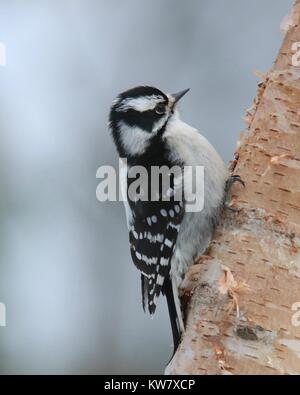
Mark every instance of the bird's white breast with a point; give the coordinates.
(188, 145)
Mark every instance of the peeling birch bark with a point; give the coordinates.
(240, 314)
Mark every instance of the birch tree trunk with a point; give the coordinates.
(243, 295)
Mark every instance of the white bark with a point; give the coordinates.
(242, 315)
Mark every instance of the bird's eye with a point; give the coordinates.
(160, 109)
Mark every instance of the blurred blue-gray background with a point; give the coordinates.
(71, 292)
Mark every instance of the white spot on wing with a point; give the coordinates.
(168, 243)
(163, 213)
(164, 261)
(138, 255)
(136, 236)
(174, 226)
(149, 260)
(170, 192)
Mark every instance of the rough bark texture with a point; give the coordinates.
(239, 317)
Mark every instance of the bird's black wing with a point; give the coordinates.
(153, 233)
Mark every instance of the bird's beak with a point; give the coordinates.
(179, 95)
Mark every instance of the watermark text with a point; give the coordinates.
(156, 183)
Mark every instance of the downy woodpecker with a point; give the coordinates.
(165, 238)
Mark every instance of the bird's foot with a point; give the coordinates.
(190, 280)
(230, 208)
(231, 180)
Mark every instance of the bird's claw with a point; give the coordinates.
(232, 179)
(232, 209)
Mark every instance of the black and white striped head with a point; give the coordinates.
(139, 114)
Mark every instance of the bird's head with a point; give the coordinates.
(139, 114)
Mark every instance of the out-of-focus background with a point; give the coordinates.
(71, 292)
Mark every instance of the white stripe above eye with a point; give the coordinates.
(144, 103)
